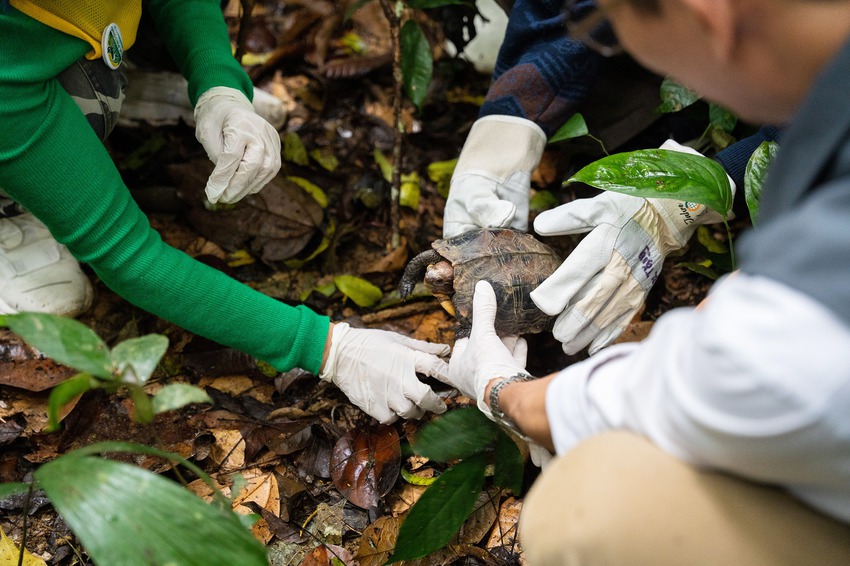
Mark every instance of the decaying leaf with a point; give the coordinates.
(24, 367)
(328, 555)
(365, 464)
(378, 541)
(275, 223)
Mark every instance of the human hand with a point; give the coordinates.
(602, 284)
(492, 180)
(377, 369)
(484, 355)
(244, 147)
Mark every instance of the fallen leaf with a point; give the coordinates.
(365, 465)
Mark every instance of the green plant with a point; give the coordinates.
(575, 127)
(756, 175)
(469, 436)
(129, 365)
(123, 514)
(661, 173)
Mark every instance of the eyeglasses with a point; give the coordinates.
(588, 24)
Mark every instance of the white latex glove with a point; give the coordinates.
(603, 283)
(244, 147)
(491, 182)
(377, 369)
(484, 355)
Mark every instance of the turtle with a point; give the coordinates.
(514, 263)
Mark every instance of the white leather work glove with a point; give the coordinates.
(377, 369)
(491, 182)
(244, 147)
(484, 355)
(602, 284)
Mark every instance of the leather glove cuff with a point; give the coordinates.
(498, 146)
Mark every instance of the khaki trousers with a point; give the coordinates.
(617, 499)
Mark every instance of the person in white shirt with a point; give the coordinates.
(724, 437)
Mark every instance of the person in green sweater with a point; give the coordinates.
(72, 204)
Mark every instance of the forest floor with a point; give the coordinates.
(280, 430)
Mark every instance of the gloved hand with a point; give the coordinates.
(484, 355)
(491, 182)
(377, 369)
(603, 283)
(244, 147)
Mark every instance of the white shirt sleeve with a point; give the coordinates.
(755, 382)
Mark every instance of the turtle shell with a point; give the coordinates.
(514, 263)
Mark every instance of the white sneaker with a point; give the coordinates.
(37, 273)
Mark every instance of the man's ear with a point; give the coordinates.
(718, 17)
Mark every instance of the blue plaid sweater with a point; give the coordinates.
(542, 75)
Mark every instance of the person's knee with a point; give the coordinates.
(576, 509)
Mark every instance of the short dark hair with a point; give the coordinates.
(646, 6)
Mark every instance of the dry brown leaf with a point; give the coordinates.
(232, 384)
(505, 531)
(228, 450)
(378, 541)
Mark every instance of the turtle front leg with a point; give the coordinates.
(414, 272)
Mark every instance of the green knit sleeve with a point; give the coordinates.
(52, 163)
(196, 36)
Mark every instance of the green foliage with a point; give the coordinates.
(756, 174)
(417, 65)
(125, 515)
(469, 436)
(441, 510)
(129, 365)
(294, 150)
(440, 172)
(660, 173)
(675, 97)
(573, 128)
(363, 293)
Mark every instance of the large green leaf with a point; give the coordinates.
(125, 515)
(441, 510)
(508, 464)
(137, 358)
(416, 62)
(575, 127)
(661, 173)
(65, 341)
(675, 97)
(756, 174)
(456, 434)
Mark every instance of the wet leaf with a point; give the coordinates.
(440, 172)
(661, 173)
(325, 158)
(675, 97)
(456, 434)
(65, 340)
(756, 175)
(575, 127)
(441, 510)
(294, 150)
(416, 62)
(137, 358)
(384, 165)
(363, 293)
(365, 465)
(177, 395)
(125, 515)
(411, 186)
(312, 189)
